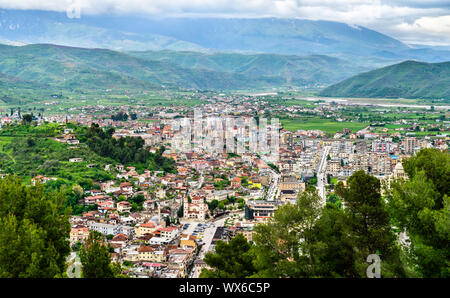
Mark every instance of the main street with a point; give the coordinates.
(208, 235)
(271, 193)
(321, 176)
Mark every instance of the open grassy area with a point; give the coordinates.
(327, 126)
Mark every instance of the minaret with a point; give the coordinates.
(159, 214)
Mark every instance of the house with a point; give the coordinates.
(254, 183)
(106, 229)
(41, 179)
(127, 230)
(79, 233)
(76, 159)
(179, 260)
(188, 241)
(169, 232)
(131, 254)
(151, 254)
(106, 206)
(259, 210)
(124, 206)
(120, 239)
(236, 182)
(92, 200)
(149, 204)
(93, 192)
(126, 187)
(146, 228)
(219, 195)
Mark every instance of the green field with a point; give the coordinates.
(324, 125)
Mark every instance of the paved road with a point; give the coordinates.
(321, 176)
(271, 193)
(76, 264)
(208, 235)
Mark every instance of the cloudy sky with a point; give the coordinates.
(411, 21)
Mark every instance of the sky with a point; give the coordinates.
(411, 21)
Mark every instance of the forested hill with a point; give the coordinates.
(409, 79)
(28, 150)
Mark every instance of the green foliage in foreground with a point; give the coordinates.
(34, 231)
(306, 240)
(96, 260)
(230, 260)
(421, 207)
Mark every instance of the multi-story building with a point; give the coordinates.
(79, 233)
(106, 229)
(381, 147)
(259, 210)
(410, 144)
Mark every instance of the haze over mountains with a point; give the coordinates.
(267, 35)
(111, 52)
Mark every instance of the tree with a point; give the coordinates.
(78, 191)
(95, 257)
(369, 223)
(230, 260)
(30, 142)
(27, 118)
(180, 211)
(221, 205)
(34, 231)
(213, 205)
(167, 220)
(421, 207)
(332, 248)
(283, 246)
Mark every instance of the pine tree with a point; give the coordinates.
(34, 231)
(95, 258)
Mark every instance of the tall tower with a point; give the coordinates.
(185, 207)
(159, 214)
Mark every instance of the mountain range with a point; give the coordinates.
(49, 51)
(261, 35)
(409, 79)
(79, 68)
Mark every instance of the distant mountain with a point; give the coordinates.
(73, 68)
(10, 82)
(312, 69)
(35, 27)
(265, 35)
(270, 35)
(409, 79)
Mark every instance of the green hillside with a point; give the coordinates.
(61, 68)
(84, 69)
(28, 150)
(409, 79)
(313, 69)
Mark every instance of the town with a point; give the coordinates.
(162, 223)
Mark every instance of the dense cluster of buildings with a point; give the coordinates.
(208, 185)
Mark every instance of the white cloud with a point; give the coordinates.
(429, 30)
(396, 18)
